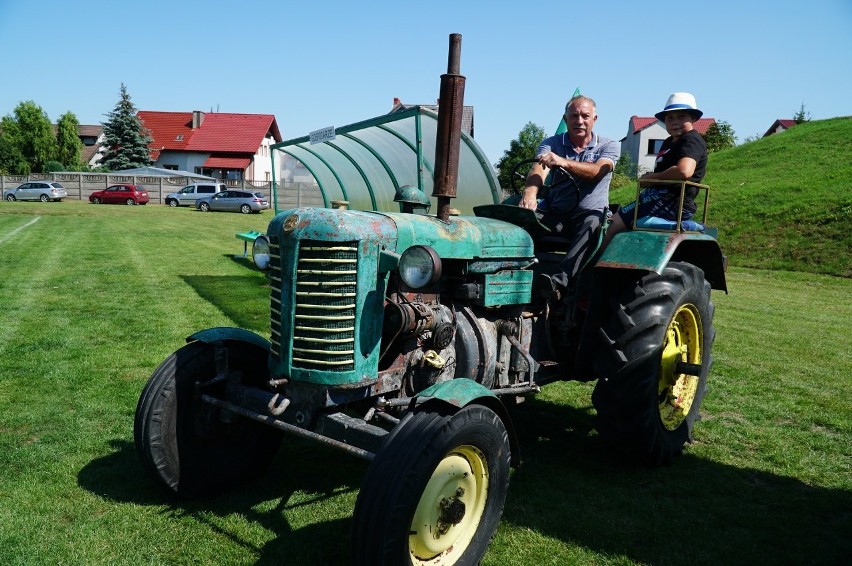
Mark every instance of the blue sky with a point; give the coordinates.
(332, 63)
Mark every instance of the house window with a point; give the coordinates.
(170, 167)
(654, 146)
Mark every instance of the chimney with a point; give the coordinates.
(396, 102)
(197, 119)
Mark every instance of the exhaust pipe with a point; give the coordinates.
(448, 142)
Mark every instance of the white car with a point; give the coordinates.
(36, 190)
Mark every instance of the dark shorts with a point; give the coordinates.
(654, 202)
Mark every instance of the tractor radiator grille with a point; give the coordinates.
(324, 310)
(275, 296)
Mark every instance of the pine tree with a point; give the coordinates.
(125, 139)
(68, 140)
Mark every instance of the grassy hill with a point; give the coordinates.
(785, 202)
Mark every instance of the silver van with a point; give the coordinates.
(190, 193)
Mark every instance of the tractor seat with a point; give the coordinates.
(657, 223)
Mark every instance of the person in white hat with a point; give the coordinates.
(682, 157)
(581, 164)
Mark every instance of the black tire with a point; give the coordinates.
(245, 209)
(44, 198)
(130, 202)
(10, 198)
(96, 200)
(204, 207)
(423, 464)
(647, 400)
(191, 447)
(173, 203)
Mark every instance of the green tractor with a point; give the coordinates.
(403, 338)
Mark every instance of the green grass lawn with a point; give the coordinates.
(93, 298)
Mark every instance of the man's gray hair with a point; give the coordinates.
(580, 98)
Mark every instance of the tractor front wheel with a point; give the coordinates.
(435, 492)
(192, 447)
(653, 364)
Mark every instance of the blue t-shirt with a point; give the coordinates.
(568, 193)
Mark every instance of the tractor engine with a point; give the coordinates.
(390, 303)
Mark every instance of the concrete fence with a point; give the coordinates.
(81, 185)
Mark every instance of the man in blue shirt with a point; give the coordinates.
(581, 164)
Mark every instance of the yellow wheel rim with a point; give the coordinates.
(450, 509)
(676, 391)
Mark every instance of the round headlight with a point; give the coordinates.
(260, 252)
(419, 266)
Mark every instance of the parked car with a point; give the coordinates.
(120, 194)
(36, 190)
(233, 201)
(190, 193)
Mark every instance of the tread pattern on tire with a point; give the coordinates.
(399, 473)
(170, 448)
(629, 357)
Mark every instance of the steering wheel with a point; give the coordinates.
(515, 175)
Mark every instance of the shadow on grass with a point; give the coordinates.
(303, 477)
(569, 487)
(242, 298)
(696, 511)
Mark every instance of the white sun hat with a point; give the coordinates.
(680, 101)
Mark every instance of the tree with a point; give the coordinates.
(525, 147)
(625, 172)
(801, 115)
(125, 139)
(720, 135)
(30, 131)
(68, 141)
(12, 161)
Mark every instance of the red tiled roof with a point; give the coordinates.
(227, 162)
(642, 122)
(783, 123)
(168, 130)
(235, 133)
(218, 132)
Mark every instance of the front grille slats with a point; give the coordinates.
(323, 317)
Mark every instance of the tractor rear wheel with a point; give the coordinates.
(653, 363)
(192, 447)
(435, 492)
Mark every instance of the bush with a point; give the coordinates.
(53, 167)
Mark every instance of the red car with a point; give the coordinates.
(120, 194)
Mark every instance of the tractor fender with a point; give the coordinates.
(644, 250)
(221, 333)
(459, 393)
